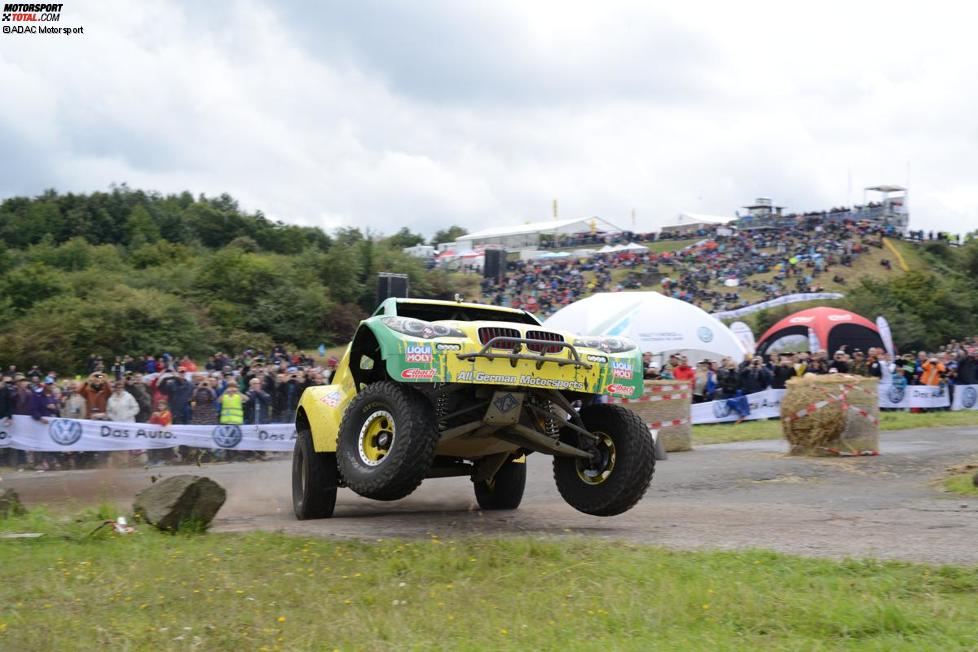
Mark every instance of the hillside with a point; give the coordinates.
(128, 271)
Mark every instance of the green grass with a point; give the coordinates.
(961, 484)
(771, 428)
(263, 591)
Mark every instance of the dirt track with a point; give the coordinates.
(722, 496)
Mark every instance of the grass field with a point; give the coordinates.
(962, 484)
(771, 428)
(151, 591)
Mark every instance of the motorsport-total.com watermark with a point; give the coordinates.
(23, 19)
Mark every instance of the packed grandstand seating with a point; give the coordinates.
(709, 273)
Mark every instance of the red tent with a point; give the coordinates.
(833, 328)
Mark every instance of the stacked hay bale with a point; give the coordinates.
(832, 414)
(666, 402)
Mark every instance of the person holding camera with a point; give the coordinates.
(204, 403)
(258, 406)
(96, 393)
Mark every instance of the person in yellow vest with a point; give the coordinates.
(231, 410)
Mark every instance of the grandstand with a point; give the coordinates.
(534, 235)
(889, 209)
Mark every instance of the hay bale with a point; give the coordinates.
(830, 427)
(673, 438)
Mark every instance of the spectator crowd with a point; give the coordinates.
(951, 365)
(710, 274)
(254, 387)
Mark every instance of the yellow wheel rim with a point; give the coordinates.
(376, 437)
(597, 471)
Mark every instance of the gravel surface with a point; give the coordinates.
(723, 496)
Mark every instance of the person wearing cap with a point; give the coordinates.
(839, 363)
(45, 403)
(932, 371)
(23, 397)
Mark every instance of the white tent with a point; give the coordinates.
(657, 323)
(633, 246)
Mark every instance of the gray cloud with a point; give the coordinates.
(426, 114)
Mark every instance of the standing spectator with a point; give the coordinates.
(231, 406)
(6, 400)
(729, 378)
(839, 363)
(683, 371)
(177, 391)
(136, 387)
(121, 406)
(859, 365)
(287, 397)
(968, 367)
(932, 372)
(45, 404)
(74, 406)
(204, 401)
(23, 397)
(755, 378)
(149, 365)
(96, 393)
(259, 403)
(161, 417)
(705, 383)
(782, 372)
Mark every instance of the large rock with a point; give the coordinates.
(180, 502)
(10, 504)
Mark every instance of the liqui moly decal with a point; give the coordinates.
(418, 353)
(621, 369)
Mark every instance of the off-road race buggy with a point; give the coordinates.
(433, 389)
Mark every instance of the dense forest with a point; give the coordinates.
(128, 271)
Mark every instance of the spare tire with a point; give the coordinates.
(387, 441)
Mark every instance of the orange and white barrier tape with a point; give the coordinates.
(649, 399)
(655, 425)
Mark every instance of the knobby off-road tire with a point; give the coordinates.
(314, 480)
(621, 476)
(387, 441)
(505, 490)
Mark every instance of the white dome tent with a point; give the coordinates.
(659, 324)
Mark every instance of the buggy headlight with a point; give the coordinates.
(606, 344)
(424, 330)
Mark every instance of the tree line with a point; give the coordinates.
(128, 271)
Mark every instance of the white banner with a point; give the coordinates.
(763, 405)
(913, 396)
(965, 397)
(65, 435)
(780, 301)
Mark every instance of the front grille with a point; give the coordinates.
(486, 333)
(544, 335)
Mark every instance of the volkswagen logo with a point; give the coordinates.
(721, 409)
(65, 431)
(705, 334)
(227, 436)
(969, 397)
(896, 393)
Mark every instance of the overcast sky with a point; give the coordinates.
(433, 113)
